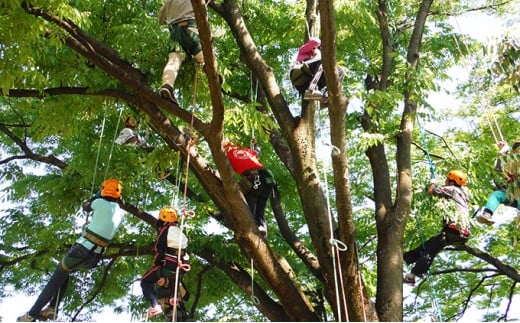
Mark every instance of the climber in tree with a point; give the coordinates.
(85, 253)
(257, 182)
(509, 165)
(184, 33)
(454, 202)
(129, 136)
(170, 246)
(306, 73)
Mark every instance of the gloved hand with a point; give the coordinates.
(433, 181)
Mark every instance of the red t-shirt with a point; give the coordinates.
(243, 159)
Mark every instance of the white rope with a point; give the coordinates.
(254, 299)
(334, 246)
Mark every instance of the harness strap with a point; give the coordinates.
(95, 238)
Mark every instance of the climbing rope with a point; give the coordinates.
(175, 198)
(98, 152)
(494, 127)
(336, 246)
(113, 143)
(423, 137)
(185, 211)
(419, 224)
(254, 299)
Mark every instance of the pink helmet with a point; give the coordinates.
(305, 52)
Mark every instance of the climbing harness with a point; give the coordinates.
(314, 83)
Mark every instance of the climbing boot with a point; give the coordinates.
(25, 318)
(170, 72)
(485, 217)
(47, 314)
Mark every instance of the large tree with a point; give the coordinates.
(72, 70)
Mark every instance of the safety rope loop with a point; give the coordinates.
(185, 267)
(188, 213)
(341, 246)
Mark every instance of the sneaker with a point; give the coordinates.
(409, 280)
(25, 318)
(48, 313)
(485, 217)
(167, 93)
(153, 311)
(312, 95)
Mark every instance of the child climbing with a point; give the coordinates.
(257, 182)
(184, 33)
(454, 202)
(85, 253)
(171, 244)
(509, 165)
(306, 73)
(129, 136)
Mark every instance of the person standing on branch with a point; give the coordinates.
(85, 253)
(454, 202)
(170, 244)
(257, 182)
(184, 33)
(509, 165)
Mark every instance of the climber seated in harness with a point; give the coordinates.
(454, 201)
(129, 136)
(170, 246)
(85, 253)
(306, 73)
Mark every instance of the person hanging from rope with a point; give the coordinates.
(129, 135)
(509, 165)
(170, 244)
(85, 253)
(184, 33)
(257, 182)
(306, 73)
(454, 202)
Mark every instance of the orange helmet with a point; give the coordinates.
(111, 188)
(168, 214)
(458, 177)
(130, 122)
